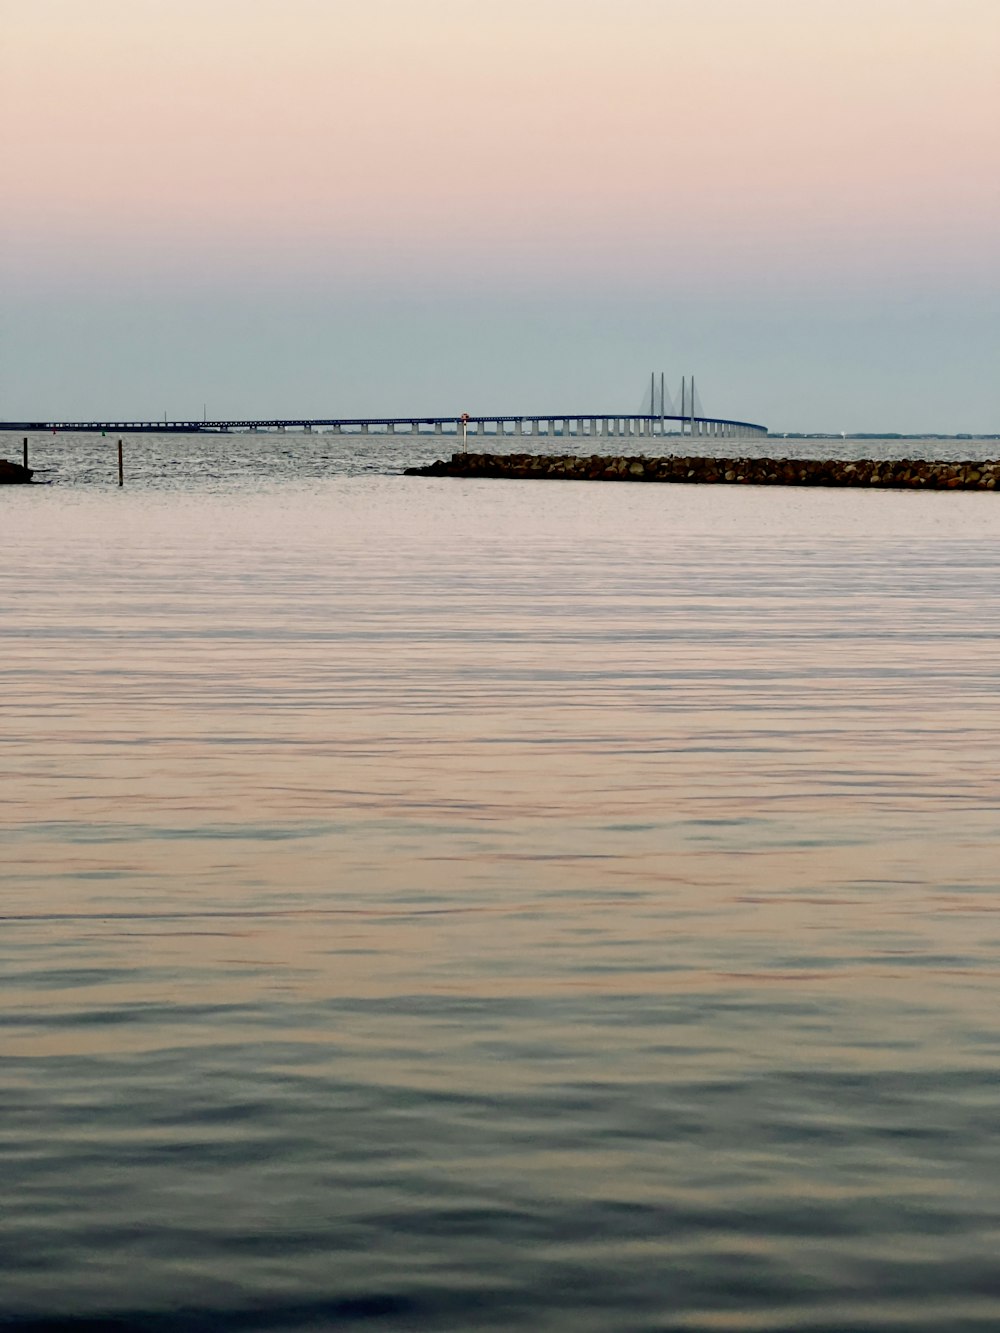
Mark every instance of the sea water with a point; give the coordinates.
(449, 905)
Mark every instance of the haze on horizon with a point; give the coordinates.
(267, 207)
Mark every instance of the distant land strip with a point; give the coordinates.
(902, 473)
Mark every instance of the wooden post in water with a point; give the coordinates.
(25, 450)
(121, 465)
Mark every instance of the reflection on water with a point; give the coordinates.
(449, 905)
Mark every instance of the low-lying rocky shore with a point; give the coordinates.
(13, 473)
(906, 472)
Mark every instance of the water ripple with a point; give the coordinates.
(449, 906)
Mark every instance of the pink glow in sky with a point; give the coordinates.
(278, 206)
(674, 142)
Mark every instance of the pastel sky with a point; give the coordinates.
(341, 206)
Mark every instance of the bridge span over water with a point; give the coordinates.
(561, 424)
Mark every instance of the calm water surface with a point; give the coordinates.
(443, 905)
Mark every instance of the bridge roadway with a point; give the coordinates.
(575, 424)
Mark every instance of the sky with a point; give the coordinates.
(341, 207)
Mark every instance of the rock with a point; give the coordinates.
(705, 470)
(13, 474)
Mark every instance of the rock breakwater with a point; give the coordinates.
(896, 473)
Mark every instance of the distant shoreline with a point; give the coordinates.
(868, 435)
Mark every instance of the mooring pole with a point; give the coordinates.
(121, 465)
(25, 447)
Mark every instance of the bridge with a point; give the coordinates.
(562, 424)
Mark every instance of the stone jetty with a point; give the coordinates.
(904, 473)
(14, 473)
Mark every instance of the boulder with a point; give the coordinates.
(13, 474)
(904, 472)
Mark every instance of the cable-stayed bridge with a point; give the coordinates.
(659, 415)
(558, 423)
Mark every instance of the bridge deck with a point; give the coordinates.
(386, 423)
